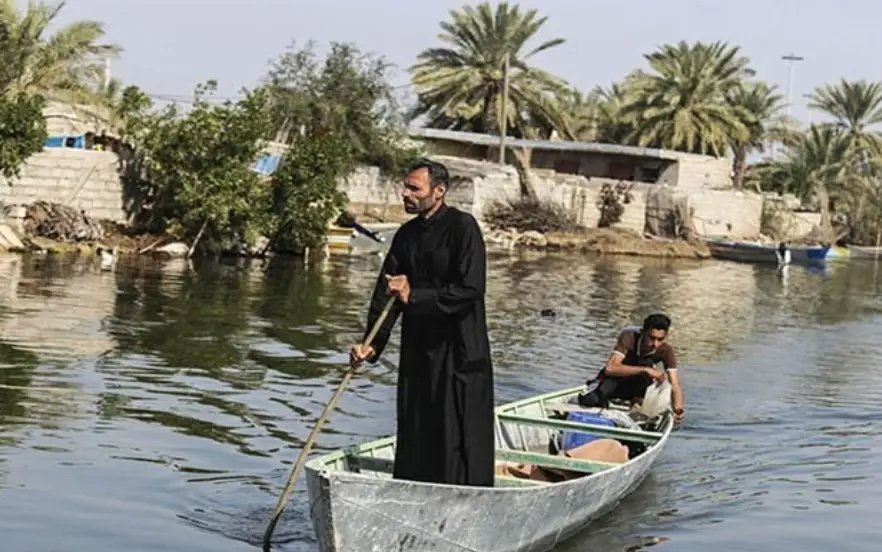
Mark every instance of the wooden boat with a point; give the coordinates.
(348, 241)
(357, 506)
(752, 252)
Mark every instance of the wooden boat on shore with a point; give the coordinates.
(752, 252)
(357, 506)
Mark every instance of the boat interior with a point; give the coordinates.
(525, 431)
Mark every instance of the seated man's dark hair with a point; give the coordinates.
(656, 321)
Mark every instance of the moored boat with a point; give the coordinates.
(357, 506)
(753, 252)
(349, 241)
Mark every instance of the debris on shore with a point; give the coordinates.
(59, 222)
(609, 241)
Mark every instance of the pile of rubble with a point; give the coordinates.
(60, 223)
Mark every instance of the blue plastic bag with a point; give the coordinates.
(570, 440)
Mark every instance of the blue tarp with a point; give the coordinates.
(267, 164)
(77, 142)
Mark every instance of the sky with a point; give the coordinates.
(171, 45)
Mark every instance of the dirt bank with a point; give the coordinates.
(599, 240)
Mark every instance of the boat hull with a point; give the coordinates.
(356, 513)
(765, 254)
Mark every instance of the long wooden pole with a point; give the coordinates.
(503, 115)
(301, 460)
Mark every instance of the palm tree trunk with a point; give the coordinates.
(523, 157)
(487, 114)
(826, 223)
(739, 166)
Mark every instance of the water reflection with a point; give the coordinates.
(192, 385)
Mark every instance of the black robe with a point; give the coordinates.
(445, 375)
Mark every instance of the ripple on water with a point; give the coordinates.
(158, 407)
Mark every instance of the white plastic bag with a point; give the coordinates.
(656, 400)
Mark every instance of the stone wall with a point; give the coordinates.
(478, 184)
(64, 120)
(696, 172)
(84, 179)
(89, 180)
(726, 213)
(673, 168)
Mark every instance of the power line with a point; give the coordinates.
(189, 98)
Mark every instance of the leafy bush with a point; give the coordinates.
(22, 131)
(304, 192)
(196, 167)
(611, 203)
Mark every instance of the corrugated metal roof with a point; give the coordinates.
(549, 145)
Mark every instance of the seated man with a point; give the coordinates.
(631, 367)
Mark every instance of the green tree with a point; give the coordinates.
(197, 167)
(461, 86)
(22, 131)
(597, 116)
(63, 66)
(347, 94)
(681, 104)
(855, 106)
(305, 193)
(760, 105)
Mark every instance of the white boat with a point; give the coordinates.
(356, 506)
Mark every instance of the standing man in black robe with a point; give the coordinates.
(436, 265)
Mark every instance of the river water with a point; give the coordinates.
(159, 406)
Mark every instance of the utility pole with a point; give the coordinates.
(503, 112)
(106, 72)
(792, 58)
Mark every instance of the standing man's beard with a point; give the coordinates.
(417, 206)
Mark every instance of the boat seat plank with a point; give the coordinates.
(358, 462)
(569, 407)
(385, 465)
(553, 461)
(627, 435)
(563, 406)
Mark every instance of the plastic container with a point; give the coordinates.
(570, 440)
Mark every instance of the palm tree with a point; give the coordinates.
(613, 124)
(583, 115)
(682, 105)
(64, 66)
(761, 104)
(822, 164)
(855, 106)
(461, 86)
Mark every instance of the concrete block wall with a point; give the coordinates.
(726, 213)
(696, 172)
(477, 185)
(84, 179)
(89, 180)
(579, 195)
(65, 120)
